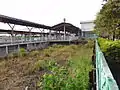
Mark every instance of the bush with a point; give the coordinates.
(60, 78)
(90, 44)
(13, 55)
(111, 49)
(57, 46)
(39, 65)
(34, 53)
(22, 52)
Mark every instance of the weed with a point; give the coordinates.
(34, 53)
(38, 66)
(72, 76)
(22, 52)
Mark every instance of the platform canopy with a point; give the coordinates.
(68, 28)
(11, 20)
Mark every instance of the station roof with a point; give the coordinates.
(68, 27)
(11, 20)
(59, 27)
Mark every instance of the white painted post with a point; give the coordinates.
(6, 50)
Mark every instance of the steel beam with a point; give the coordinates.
(12, 32)
(30, 29)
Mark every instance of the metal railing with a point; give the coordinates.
(104, 77)
(23, 40)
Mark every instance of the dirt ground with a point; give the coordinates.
(15, 75)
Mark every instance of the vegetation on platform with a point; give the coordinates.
(68, 69)
(58, 67)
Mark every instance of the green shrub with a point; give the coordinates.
(111, 49)
(60, 77)
(73, 46)
(34, 53)
(39, 65)
(46, 52)
(13, 55)
(57, 46)
(90, 44)
(22, 52)
(68, 68)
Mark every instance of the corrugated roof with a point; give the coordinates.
(68, 27)
(11, 20)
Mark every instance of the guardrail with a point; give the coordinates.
(104, 77)
(32, 41)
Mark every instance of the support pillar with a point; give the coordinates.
(6, 50)
(30, 29)
(21, 38)
(40, 34)
(40, 37)
(43, 35)
(64, 29)
(33, 37)
(12, 32)
(64, 32)
(50, 35)
(47, 37)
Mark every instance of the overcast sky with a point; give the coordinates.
(51, 12)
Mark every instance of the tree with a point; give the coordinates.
(107, 20)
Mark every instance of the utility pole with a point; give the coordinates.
(64, 28)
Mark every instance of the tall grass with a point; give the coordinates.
(74, 75)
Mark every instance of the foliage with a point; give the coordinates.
(72, 76)
(60, 78)
(111, 49)
(107, 20)
(13, 55)
(34, 53)
(22, 52)
(66, 61)
(47, 52)
(38, 66)
(90, 44)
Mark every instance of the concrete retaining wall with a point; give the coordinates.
(14, 48)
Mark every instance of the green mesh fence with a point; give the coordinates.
(104, 77)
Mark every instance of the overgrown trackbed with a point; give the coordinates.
(17, 72)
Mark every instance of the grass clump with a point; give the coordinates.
(22, 52)
(38, 66)
(13, 55)
(34, 53)
(66, 77)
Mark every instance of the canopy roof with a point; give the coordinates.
(59, 27)
(16, 21)
(68, 27)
